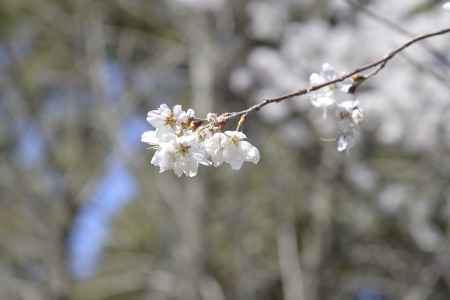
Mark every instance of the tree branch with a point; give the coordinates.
(377, 65)
(399, 29)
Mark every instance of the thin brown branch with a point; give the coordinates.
(436, 54)
(399, 29)
(377, 65)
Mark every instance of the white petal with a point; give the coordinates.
(201, 159)
(187, 139)
(446, 6)
(236, 164)
(316, 79)
(326, 67)
(328, 72)
(163, 107)
(322, 101)
(155, 119)
(165, 135)
(251, 152)
(346, 140)
(184, 116)
(342, 143)
(357, 115)
(190, 113)
(177, 110)
(163, 160)
(190, 167)
(150, 138)
(217, 159)
(156, 158)
(211, 117)
(214, 143)
(239, 134)
(233, 156)
(348, 105)
(198, 153)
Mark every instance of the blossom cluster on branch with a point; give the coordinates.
(183, 142)
(340, 98)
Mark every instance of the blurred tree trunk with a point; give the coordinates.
(291, 273)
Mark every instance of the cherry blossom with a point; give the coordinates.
(349, 115)
(329, 95)
(166, 118)
(181, 154)
(346, 139)
(230, 147)
(350, 109)
(243, 150)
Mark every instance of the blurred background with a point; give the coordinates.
(84, 216)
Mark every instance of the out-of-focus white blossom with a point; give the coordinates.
(267, 19)
(446, 6)
(350, 109)
(349, 115)
(346, 139)
(329, 95)
(241, 80)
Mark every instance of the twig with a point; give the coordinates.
(378, 64)
(438, 56)
(399, 29)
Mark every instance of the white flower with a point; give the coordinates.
(446, 6)
(346, 140)
(350, 115)
(164, 158)
(231, 147)
(214, 147)
(150, 137)
(182, 154)
(350, 109)
(155, 137)
(330, 94)
(166, 118)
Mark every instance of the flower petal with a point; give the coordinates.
(177, 110)
(251, 152)
(149, 137)
(328, 72)
(239, 134)
(316, 79)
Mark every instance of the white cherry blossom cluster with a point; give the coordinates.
(183, 142)
(340, 98)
